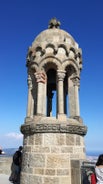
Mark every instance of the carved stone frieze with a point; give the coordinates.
(53, 128)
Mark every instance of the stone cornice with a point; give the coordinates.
(53, 128)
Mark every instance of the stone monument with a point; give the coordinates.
(54, 62)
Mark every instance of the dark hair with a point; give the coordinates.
(20, 147)
(100, 160)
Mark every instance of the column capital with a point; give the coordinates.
(76, 80)
(60, 75)
(41, 77)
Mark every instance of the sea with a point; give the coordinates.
(8, 152)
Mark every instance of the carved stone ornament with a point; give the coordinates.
(60, 75)
(40, 77)
(54, 23)
(54, 128)
(76, 81)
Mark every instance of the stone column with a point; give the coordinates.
(41, 93)
(60, 91)
(73, 83)
(76, 93)
(44, 96)
(30, 100)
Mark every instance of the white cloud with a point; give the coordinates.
(14, 135)
(11, 140)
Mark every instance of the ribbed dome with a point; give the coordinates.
(56, 43)
(54, 36)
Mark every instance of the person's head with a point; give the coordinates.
(20, 148)
(100, 160)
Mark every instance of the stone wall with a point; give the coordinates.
(47, 158)
(5, 165)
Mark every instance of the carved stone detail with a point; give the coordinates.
(60, 75)
(54, 128)
(54, 23)
(40, 77)
(76, 81)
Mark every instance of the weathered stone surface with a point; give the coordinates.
(38, 139)
(54, 128)
(26, 179)
(37, 160)
(49, 139)
(39, 171)
(70, 139)
(63, 172)
(60, 139)
(65, 180)
(38, 149)
(31, 140)
(55, 149)
(58, 161)
(67, 149)
(78, 140)
(49, 172)
(35, 179)
(51, 180)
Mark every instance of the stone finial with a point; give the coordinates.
(54, 23)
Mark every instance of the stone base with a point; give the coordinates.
(47, 157)
(62, 117)
(49, 146)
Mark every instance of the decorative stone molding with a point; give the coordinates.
(53, 128)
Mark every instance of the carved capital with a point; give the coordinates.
(41, 77)
(60, 75)
(76, 81)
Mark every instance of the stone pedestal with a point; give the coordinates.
(49, 149)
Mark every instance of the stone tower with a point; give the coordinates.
(54, 62)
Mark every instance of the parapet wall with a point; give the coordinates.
(5, 165)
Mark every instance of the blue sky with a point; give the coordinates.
(20, 22)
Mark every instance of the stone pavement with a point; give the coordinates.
(4, 179)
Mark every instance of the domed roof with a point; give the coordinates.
(54, 35)
(55, 43)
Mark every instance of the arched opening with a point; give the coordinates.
(51, 93)
(66, 96)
